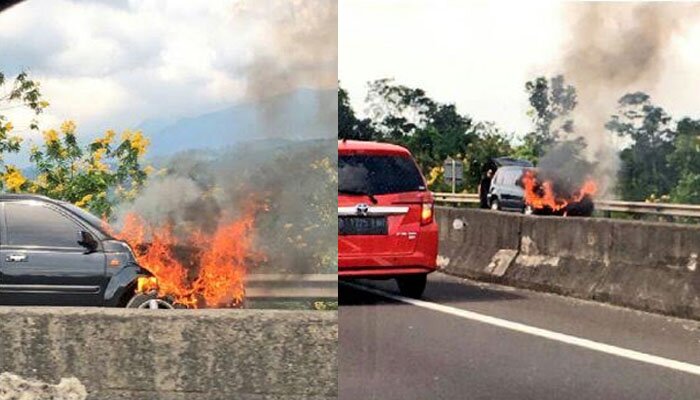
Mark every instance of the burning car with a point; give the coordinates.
(506, 192)
(541, 192)
(548, 193)
(54, 253)
(195, 268)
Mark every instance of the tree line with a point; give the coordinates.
(96, 175)
(659, 158)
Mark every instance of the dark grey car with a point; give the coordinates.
(506, 192)
(54, 253)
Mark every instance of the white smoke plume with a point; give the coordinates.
(615, 48)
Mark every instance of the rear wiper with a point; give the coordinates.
(360, 193)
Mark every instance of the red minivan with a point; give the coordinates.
(386, 227)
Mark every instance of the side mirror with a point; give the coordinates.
(88, 241)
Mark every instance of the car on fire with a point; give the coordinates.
(506, 192)
(386, 227)
(55, 253)
(533, 191)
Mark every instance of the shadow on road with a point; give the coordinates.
(437, 291)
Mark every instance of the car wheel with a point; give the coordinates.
(149, 301)
(495, 205)
(412, 285)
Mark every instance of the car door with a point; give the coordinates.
(507, 190)
(41, 262)
(495, 188)
(519, 191)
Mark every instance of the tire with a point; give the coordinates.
(495, 205)
(149, 301)
(412, 285)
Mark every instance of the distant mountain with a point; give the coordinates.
(303, 114)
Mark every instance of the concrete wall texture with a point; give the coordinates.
(643, 265)
(175, 354)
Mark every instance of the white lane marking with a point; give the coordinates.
(543, 333)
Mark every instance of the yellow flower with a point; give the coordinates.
(138, 142)
(99, 153)
(43, 104)
(83, 202)
(8, 126)
(434, 174)
(50, 136)
(42, 180)
(68, 127)
(107, 138)
(13, 179)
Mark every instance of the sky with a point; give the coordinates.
(117, 63)
(478, 55)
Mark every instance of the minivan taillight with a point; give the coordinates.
(426, 213)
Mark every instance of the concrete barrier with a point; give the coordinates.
(643, 265)
(180, 354)
(468, 250)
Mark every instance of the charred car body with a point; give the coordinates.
(54, 253)
(532, 191)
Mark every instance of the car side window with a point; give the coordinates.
(505, 178)
(497, 178)
(513, 177)
(35, 224)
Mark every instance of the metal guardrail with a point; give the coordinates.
(630, 207)
(288, 286)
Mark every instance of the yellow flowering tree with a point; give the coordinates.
(20, 92)
(94, 177)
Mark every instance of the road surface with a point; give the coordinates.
(469, 340)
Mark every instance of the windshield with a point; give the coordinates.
(378, 174)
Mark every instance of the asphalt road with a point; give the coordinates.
(393, 350)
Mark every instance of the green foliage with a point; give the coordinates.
(660, 162)
(551, 103)
(645, 169)
(408, 117)
(346, 115)
(96, 177)
(397, 111)
(686, 160)
(325, 305)
(489, 142)
(21, 92)
(349, 126)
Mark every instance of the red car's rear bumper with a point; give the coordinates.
(384, 272)
(421, 261)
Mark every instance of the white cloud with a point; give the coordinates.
(479, 54)
(114, 64)
(85, 98)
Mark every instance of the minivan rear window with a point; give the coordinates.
(378, 174)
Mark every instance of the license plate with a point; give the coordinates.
(362, 226)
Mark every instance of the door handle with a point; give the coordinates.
(16, 258)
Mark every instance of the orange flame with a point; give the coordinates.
(146, 284)
(215, 279)
(541, 195)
